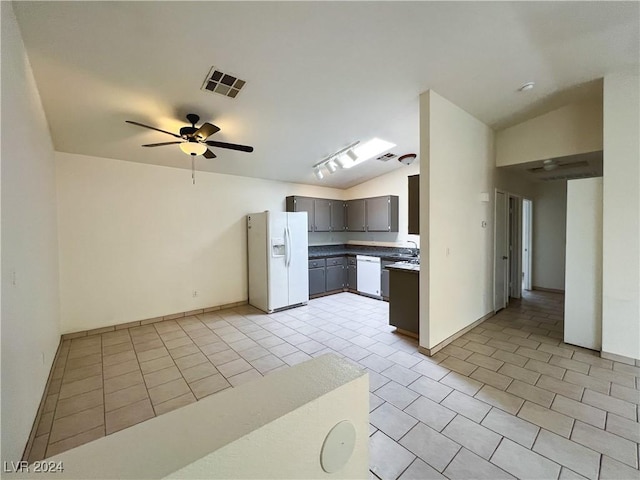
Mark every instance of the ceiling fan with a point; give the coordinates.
(553, 164)
(193, 140)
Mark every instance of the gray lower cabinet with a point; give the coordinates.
(356, 215)
(404, 301)
(317, 283)
(384, 279)
(336, 273)
(335, 277)
(352, 273)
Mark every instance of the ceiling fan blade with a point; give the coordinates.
(231, 146)
(160, 144)
(205, 131)
(153, 128)
(208, 154)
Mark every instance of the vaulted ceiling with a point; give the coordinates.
(319, 75)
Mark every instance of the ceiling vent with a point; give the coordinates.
(222, 83)
(386, 157)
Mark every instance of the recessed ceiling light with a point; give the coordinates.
(527, 86)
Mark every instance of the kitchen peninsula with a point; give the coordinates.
(404, 297)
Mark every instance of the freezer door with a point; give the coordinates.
(298, 256)
(278, 277)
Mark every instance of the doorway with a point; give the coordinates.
(509, 244)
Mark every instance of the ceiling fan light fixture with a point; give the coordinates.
(193, 148)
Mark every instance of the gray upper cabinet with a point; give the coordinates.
(382, 214)
(302, 204)
(414, 204)
(338, 216)
(356, 215)
(378, 214)
(321, 215)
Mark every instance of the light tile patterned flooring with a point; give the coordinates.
(508, 399)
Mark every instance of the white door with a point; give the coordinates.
(278, 276)
(297, 258)
(501, 257)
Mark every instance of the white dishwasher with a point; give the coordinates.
(368, 274)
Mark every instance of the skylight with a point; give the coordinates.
(367, 151)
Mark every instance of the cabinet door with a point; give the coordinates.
(316, 281)
(378, 214)
(335, 277)
(304, 204)
(414, 204)
(321, 215)
(384, 279)
(337, 216)
(352, 277)
(356, 215)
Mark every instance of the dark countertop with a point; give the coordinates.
(385, 253)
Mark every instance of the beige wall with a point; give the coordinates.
(30, 308)
(136, 240)
(549, 235)
(457, 167)
(621, 216)
(572, 129)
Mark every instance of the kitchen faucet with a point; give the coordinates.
(415, 254)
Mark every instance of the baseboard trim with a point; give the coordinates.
(634, 362)
(36, 422)
(550, 290)
(433, 350)
(147, 321)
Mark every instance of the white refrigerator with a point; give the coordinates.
(278, 260)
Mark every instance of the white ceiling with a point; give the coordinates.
(320, 75)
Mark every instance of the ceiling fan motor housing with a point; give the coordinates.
(186, 132)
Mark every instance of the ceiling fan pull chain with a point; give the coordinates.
(193, 168)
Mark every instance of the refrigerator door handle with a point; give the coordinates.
(287, 247)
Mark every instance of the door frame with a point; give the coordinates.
(495, 257)
(527, 242)
(513, 288)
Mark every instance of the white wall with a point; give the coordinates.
(30, 308)
(549, 235)
(572, 129)
(583, 292)
(392, 183)
(621, 216)
(136, 240)
(457, 166)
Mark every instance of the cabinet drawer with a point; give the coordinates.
(316, 263)
(335, 261)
